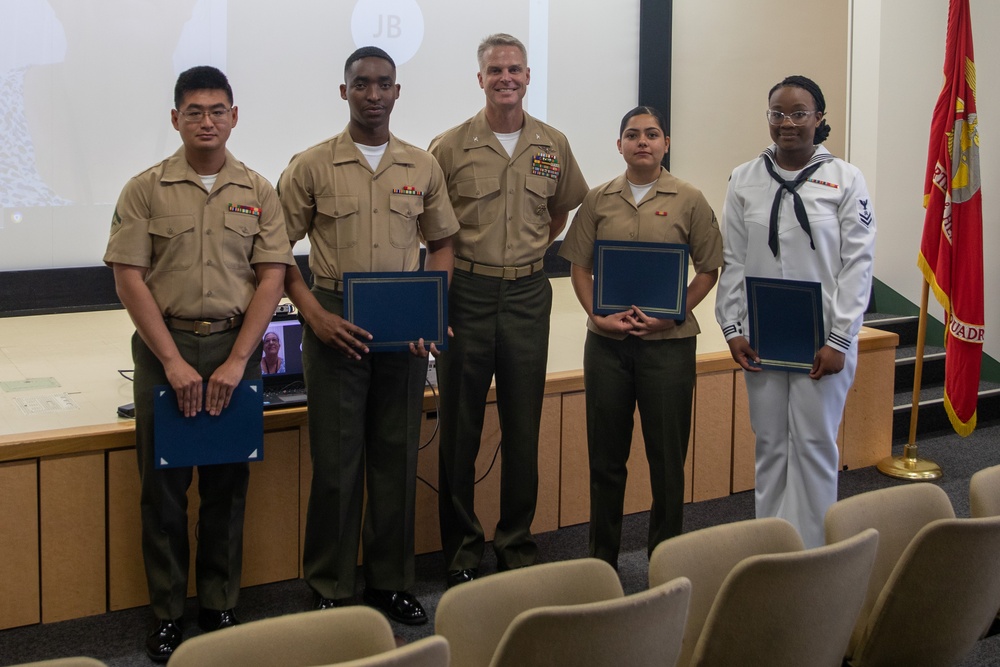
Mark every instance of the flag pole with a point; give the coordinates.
(908, 466)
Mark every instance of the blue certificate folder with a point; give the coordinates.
(236, 435)
(398, 308)
(652, 276)
(786, 322)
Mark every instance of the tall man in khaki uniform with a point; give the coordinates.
(199, 249)
(512, 181)
(365, 199)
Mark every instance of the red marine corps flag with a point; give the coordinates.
(951, 250)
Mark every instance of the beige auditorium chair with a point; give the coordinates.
(938, 600)
(474, 616)
(897, 513)
(984, 493)
(984, 500)
(788, 609)
(641, 630)
(65, 662)
(707, 556)
(427, 652)
(296, 640)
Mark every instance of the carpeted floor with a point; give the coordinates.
(116, 638)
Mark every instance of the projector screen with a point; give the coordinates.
(86, 89)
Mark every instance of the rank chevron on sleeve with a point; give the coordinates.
(865, 213)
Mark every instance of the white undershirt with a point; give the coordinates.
(509, 141)
(786, 174)
(640, 191)
(208, 181)
(373, 153)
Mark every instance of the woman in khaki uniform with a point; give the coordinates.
(632, 358)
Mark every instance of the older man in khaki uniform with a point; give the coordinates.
(199, 249)
(365, 199)
(512, 181)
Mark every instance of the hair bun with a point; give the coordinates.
(822, 132)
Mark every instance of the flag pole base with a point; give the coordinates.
(908, 466)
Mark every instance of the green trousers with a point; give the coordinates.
(364, 426)
(222, 490)
(659, 376)
(501, 329)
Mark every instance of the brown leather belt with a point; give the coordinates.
(504, 272)
(204, 327)
(329, 283)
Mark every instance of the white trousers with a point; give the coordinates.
(796, 419)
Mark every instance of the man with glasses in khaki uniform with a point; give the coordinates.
(199, 249)
(512, 181)
(365, 199)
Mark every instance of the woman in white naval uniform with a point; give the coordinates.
(797, 212)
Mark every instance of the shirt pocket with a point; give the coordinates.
(174, 243)
(237, 246)
(337, 220)
(537, 190)
(479, 202)
(406, 209)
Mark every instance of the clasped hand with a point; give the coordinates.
(632, 321)
(188, 385)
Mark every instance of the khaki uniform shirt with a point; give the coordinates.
(504, 203)
(673, 211)
(199, 247)
(360, 220)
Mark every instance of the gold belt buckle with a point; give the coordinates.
(202, 328)
(510, 273)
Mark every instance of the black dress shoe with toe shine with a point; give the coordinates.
(163, 640)
(456, 577)
(399, 606)
(210, 619)
(328, 603)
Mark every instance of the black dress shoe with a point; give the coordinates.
(328, 603)
(163, 640)
(398, 605)
(456, 577)
(210, 619)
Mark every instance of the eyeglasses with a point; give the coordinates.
(195, 115)
(797, 117)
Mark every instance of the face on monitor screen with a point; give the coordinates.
(282, 348)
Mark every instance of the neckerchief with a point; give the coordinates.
(800, 208)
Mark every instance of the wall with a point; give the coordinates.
(726, 56)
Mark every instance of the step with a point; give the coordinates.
(931, 414)
(905, 326)
(932, 372)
